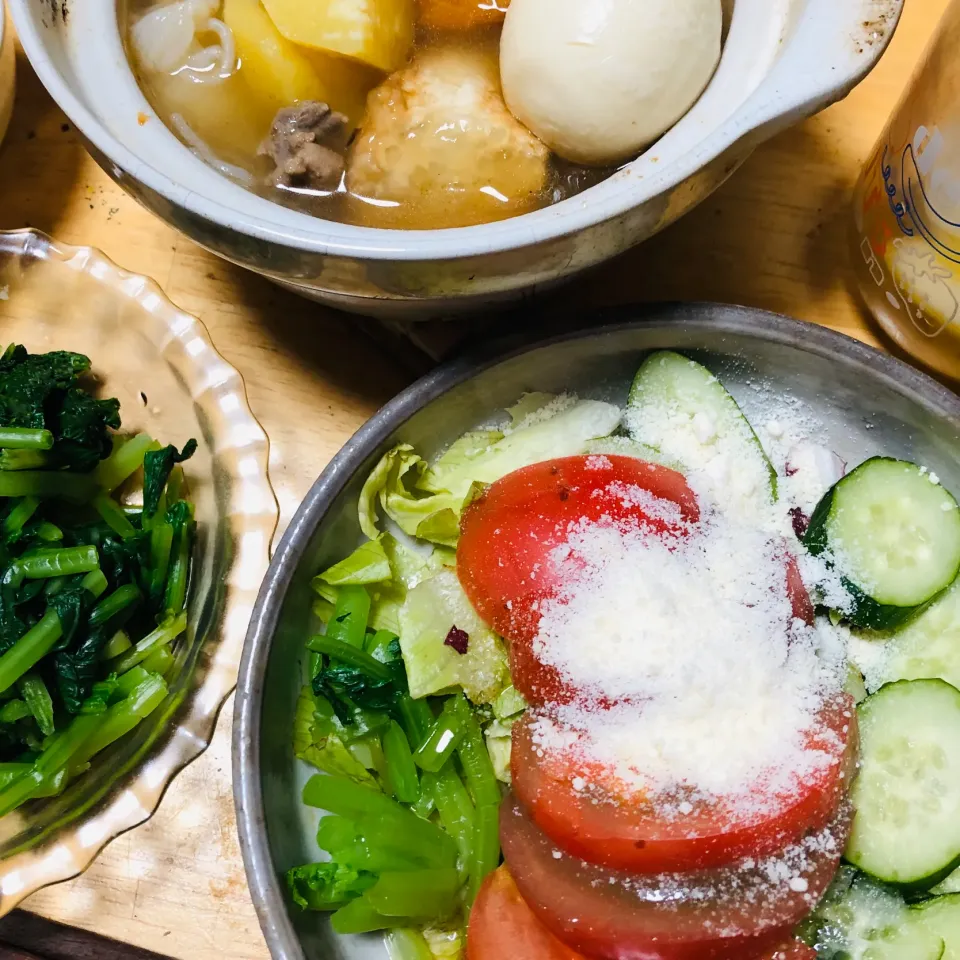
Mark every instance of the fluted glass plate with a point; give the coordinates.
(171, 383)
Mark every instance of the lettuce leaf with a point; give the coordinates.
(408, 567)
(457, 459)
(367, 564)
(446, 941)
(498, 739)
(392, 483)
(544, 427)
(426, 501)
(431, 608)
(509, 704)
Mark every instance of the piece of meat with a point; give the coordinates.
(307, 142)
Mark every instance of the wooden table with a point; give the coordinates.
(773, 237)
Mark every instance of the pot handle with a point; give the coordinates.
(834, 45)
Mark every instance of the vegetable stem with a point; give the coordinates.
(477, 766)
(160, 661)
(121, 602)
(176, 592)
(25, 438)
(34, 692)
(14, 710)
(368, 805)
(168, 631)
(47, 484)
(485, 848)
(49, 531)
(117, 644)
(429, 894)
(123, 462)
(442, 739)
(416, 718)
(424, 845)
(12, 771)
(161, 543)
(54, 562)
(349, 620)
(17, 518)
(347, 653)
(25, 459)
(113, 515)
(122, 717)
(359, 917)
(40, 639)
(401, 770)
(457, 815)
(407, 943)
(49, 764)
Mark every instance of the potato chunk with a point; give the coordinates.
(440, 144)
(455, 15)
(375, 32)
(279, 73)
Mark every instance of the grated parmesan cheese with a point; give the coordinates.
(711, 684)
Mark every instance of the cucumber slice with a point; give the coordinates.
(906, 798)
(893, 533)
(625, 447)
(678, 407)
(942, 918)
(949, 885)
(929, 646)
(871, 922)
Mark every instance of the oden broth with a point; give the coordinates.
(225, 114)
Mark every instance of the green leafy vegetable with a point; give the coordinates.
(542, 427)
(65, 542)
(157, 465)
(81, 438)
(367, 564)
(429, 611)
(326, 886)
(324, 749)
(393, 483)
(29, 382)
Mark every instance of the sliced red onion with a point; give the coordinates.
(458, 639)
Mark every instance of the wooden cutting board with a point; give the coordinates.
(774, 236)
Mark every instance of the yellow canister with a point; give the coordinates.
(906, 211)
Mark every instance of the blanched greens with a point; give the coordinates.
(81, 573)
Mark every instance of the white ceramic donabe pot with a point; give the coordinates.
(6, 74)
(782, 60)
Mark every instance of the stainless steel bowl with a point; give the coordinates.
(868, 402)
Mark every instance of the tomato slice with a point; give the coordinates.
(743, 911)
(505, 557)
(627, 833)
(796, 589)
(793, 950)
(503, 926)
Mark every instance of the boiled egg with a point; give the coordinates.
(598, 80)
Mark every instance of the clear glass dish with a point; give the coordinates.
(172, 383)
